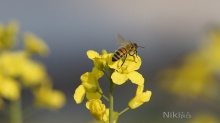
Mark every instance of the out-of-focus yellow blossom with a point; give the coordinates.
(96, 107)
(99, 60)
(1, 36)
(212, 49)
(192, 79)
(17, 64)
(204, 118)
(196, 76)
(32, 73)
(34, 44)
(140, 98)
(126, 71)
(106, 116)
(9, 89)
(8, 35)
(45, 96)
(11, 63)
(89, 86)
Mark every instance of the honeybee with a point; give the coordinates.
(127, 48)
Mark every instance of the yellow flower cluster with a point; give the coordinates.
(98, 110)
(118, 76)
(19, 71)
(197, 75)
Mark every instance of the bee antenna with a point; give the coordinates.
(141, 47)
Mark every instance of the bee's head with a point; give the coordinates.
(136, 46)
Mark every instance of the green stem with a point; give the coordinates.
(107, 76)
(15, 111)
(103, 95)
(111, 102)
(123, 111)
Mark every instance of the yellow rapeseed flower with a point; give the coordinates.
(32, 73)
(45, 96)
(191, 80)
(106, 116)
(8, 34)
(9, 89)
(140, 98)
(211, 50)
(96, 107)
(126, 71)
(98, 60)
(12, 62)
(89, 86)
(34, 44)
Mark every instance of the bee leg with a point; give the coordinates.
(123, 61)
(134, 59)
(133, 55)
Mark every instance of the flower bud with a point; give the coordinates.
(140, 98)
(97, 109)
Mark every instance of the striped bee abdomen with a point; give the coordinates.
(119, 54)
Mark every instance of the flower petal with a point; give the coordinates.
(140, 89)
(146, 96)
(88, 104)
(139, 99)
(111, 64)
(136, 78)
(87, 78)
(92, 54)
(119, 78)
(104, 52)
(95, 95)
(97, 73)
(133, 64)
(79, 94)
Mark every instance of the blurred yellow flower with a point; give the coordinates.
(45, 96)
(9, 89)
(98, 60)
(11, 63)
(89, 86)
(196, 76)
(34, 44)
(32, 73)
(140, 98)
(210, 51)
(126, 71)
(96, 107)
(8, 34)
(106, 116)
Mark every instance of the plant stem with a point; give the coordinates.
(123, 111)
(111, 102)
(103, 95)
(15, 111)
(107, 76)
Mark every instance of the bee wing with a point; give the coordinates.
(120, 40)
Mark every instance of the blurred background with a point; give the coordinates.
(169, 30)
